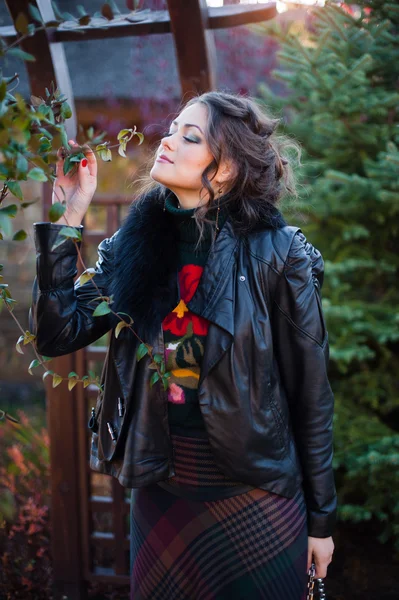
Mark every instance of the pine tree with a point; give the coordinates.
(342, 104)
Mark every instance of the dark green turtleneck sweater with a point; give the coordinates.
(184, 332)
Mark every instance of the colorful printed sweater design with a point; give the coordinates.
(185, 332)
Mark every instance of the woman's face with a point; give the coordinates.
(183, 155)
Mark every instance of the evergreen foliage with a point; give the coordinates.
(342, 104)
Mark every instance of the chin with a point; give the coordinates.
(155, 176)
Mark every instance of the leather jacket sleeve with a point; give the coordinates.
(61, 312)
(301, 342)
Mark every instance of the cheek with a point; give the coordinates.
(198, 160)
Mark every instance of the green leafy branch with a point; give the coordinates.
(29, 134)
(104, 307)
(26, 338)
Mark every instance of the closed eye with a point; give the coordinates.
(169, 133)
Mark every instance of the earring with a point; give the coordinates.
(217, 214)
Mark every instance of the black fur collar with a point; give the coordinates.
(144, 283)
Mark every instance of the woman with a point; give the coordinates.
(230, 467)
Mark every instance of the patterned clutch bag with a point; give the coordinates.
(315, 586)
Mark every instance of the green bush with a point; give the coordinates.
(342, 105)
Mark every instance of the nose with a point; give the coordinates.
(167, 142)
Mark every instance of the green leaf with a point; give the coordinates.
(22, 24)
(37, 174)
(104, 152)
(142, 350)
(20, 236)
(140, 136)
(33, 364)
(86, 276)
(15, 189)
(66, 111)
(102, 309)
(126, 134)
(18, 53)
(56, 211)
(28, 337)
(26, 204)
(71, 233)
(35, 13)
(17, 345)
(64, 234)
(154, 379)
(57, 379)
(72, 380)
(58, 242)
(119, 327)
(122, 149)
(10, 211)
(46, 374)
(71, 383)
(68, 165)
(22, 163)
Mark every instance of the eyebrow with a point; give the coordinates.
(189, 125)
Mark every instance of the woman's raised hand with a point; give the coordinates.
(77, 189)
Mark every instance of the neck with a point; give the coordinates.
(187, 200)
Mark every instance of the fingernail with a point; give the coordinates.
(84, 162)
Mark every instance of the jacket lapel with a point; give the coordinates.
(214, 297)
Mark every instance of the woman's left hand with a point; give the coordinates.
(320, 551)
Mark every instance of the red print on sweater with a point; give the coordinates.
(178, 320)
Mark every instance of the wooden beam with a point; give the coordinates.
(195, 46)
(50, 64)
(241, 14)
(156, 23)
(65, 497)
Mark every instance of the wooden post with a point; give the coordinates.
(64, 460)
(195, 47)
(50, 64)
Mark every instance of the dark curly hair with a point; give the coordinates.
(240, 130)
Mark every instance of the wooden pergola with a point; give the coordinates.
(74, 538)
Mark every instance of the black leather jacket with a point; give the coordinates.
(263, 392)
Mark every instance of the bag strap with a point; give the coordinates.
(312, 582)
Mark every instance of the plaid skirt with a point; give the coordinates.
(249, 546)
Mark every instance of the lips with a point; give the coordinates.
(163, 157)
